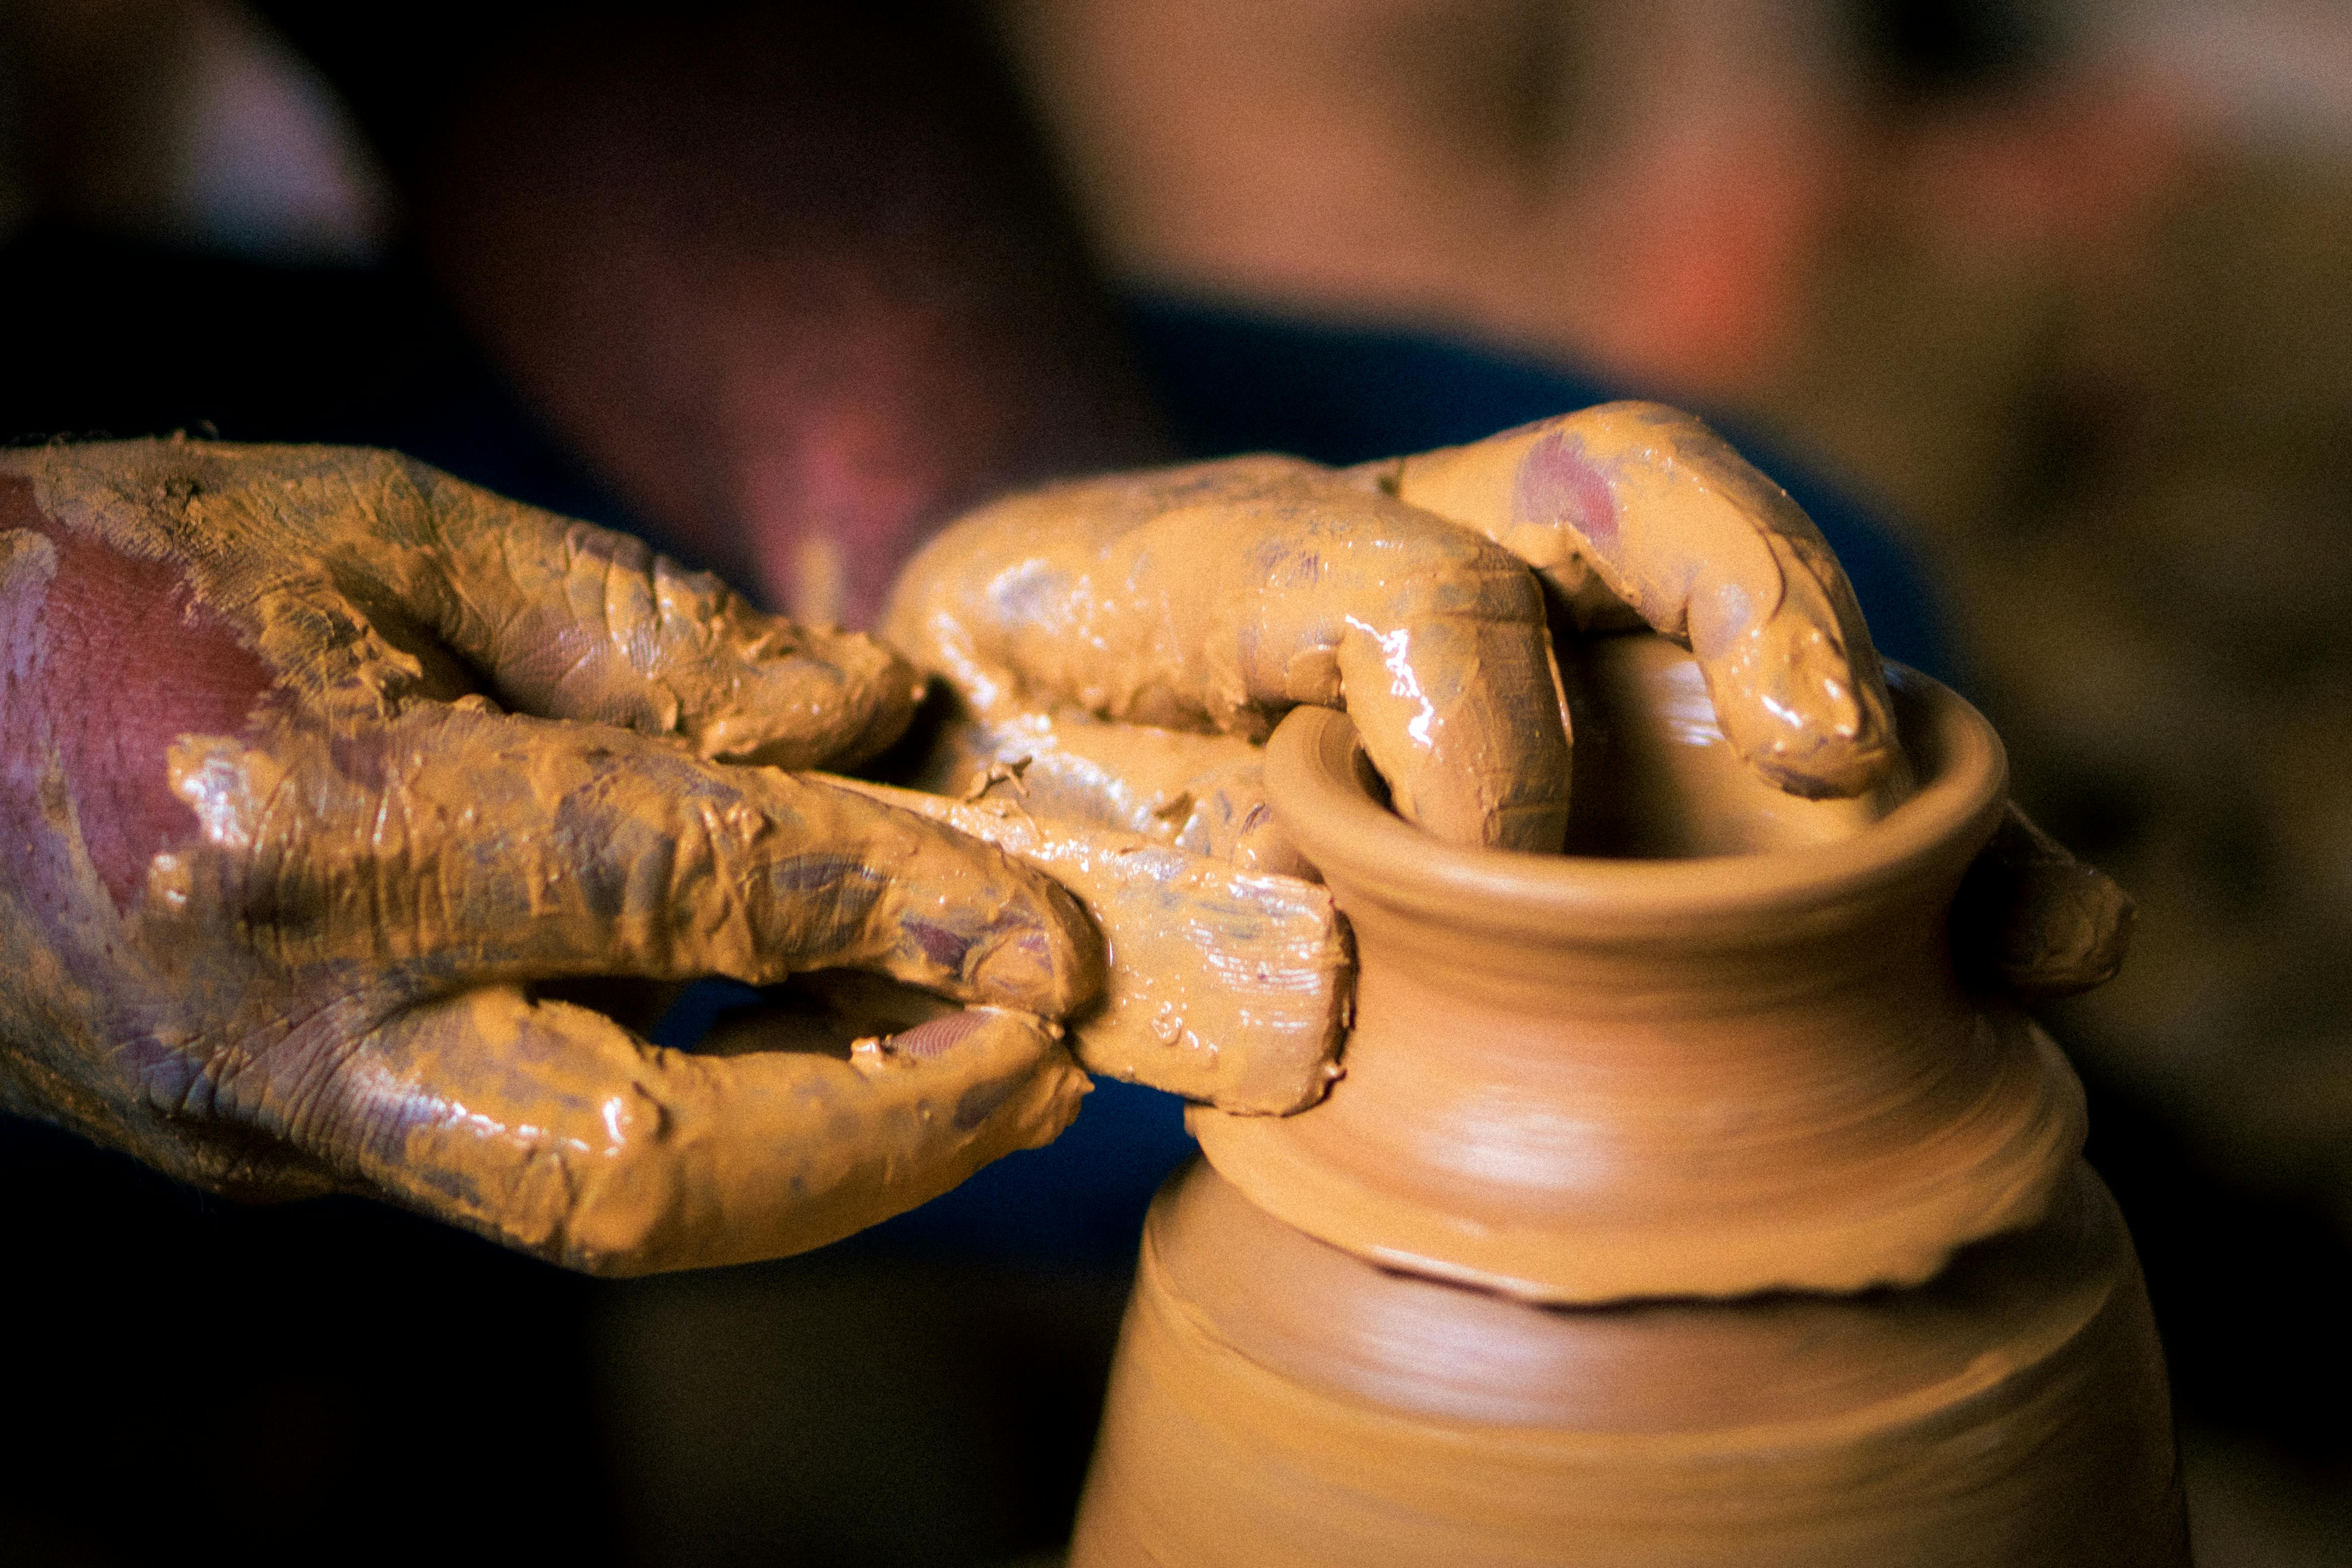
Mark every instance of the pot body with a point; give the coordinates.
(1581, 1080)
(1676, 1208)
(1281, 1402)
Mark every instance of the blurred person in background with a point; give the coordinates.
(2060, 284)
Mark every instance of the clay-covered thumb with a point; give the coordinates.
(2034, 922)
(567, 620)
(550, 1127)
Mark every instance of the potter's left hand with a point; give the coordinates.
(315, 765)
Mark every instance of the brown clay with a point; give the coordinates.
(1278, 1403)
(1225, 986)
(1658, 779)
(1584, 1079)
(2047, 925)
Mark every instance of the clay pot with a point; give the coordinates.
(1590, 1257)
(1576, 1078)
(1280, 1403)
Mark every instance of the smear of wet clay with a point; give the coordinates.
(1224, 985)
(1204, 793)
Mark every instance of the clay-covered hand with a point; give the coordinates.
(1637, 511)
(2032, 922)
(1215, 597)
(1635, 507)
(1218, 595)
(299, 809)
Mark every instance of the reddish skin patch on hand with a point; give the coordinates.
(1558, 484)
(122, 661)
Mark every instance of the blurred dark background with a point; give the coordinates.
(2058, 295)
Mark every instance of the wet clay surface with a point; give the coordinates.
(2040, 923)
(1205, 793)
(491, 748)
(1585, 1079)
(1277, 1401)
(1587, 1257)
(1225, 986)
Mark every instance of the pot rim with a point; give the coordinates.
(1312, 778)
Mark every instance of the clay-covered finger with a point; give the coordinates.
(1647, 504)
(574, 621)
(364, 579)
(1461, 710)
(551, 1129)
(1434, 641)
(2034, 922)
(473, 845)
(1220, 595)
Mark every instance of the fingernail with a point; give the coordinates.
(1017, 965)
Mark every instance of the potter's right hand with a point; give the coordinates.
(1218, 595)
(298, 810)
(1637, 509)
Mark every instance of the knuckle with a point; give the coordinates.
(627, 1222)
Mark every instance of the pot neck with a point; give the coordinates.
(1871, 898)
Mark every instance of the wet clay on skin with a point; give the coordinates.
(1214, 597)
(1204, 793)
(295, 948)
(1639, 507)
(1225, 986)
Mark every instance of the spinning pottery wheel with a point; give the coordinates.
(1678, 1206)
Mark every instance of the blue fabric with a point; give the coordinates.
(1241, 383)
